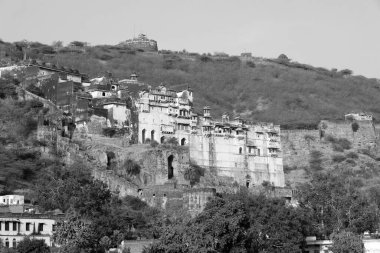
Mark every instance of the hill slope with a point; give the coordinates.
(259, 90)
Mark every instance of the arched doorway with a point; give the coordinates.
(143, 136)
(152, 135)
(162, 139)
(170, 167)
(183, 142)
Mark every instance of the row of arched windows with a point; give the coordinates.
(162, 139)
(7, 243)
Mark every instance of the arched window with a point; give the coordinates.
(7, 243)
(14, 243)
(143, 136)
(240, 150)
(170, 167)
(162, 139)
(183, 142)
(152, 135)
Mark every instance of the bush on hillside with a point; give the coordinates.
(153, 144)
(132, 167)
(338, 158)
(338, 144)
(355, 127)
(315, 161)
(352, 155)
(250, 64)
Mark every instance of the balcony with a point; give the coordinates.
(272, 144)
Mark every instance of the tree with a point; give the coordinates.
(346, 242)
(283, 57)
(28, 245)
(337, 204)
(74, 234)
(193, 173)
(57, 44)
(346, 72)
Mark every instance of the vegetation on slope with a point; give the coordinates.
(268, 92)
(276, 90)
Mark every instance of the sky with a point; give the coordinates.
(324, 33)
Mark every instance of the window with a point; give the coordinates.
(40, 227)
(14, 243)
(103, 94)
(7, 243)
(27, 226)
(53, 227)
(7, 226)
(14, 226)
(240, 150)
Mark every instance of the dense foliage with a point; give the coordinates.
(93, 214)
(239, 223)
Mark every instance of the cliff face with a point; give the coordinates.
(300, 146)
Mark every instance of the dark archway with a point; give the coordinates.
(152, 135)
(170, 167)
(240, 150)
(162, 139)
(143, 136)
(183, 142)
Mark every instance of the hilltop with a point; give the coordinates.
(275, 90)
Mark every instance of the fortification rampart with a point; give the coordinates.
(297, 144)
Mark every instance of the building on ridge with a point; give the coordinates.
(142, 42)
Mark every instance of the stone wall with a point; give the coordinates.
(297, 144)
(366, 135)
(115, 183)
(195, 199)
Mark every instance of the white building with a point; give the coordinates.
(118, 113)
(12, 200)
(164, 113)
(249, 154)
(15, 227)
(358, 116)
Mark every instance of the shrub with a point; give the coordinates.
(351, 161)
(339, 144)
(153, 144)
(344, 143)
(352, 155)
(173, 141)
(365, 151)
(250, 64)
(147, 140)
(315, 161)
(288, 168)
(338, 158)
(109, 131)
(336, 147)
(355, 126)
(193, 173)
(266, 183)
(309, 137)
(131, 167)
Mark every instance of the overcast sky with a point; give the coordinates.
(324, 33)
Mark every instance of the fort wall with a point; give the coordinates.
(230, 157)
(297, 144)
